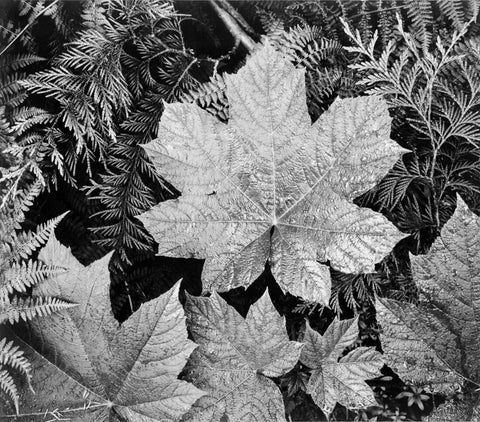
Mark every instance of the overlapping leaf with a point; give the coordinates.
(235, 358)
(337, 379)
(270, 186)
(437, 344)
(87, 368)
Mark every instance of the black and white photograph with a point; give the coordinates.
(239, 210)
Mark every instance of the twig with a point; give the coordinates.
(28, 25)
(224, 4)
(233, 26)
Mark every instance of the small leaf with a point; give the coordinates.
(337, 379)
(235, 358)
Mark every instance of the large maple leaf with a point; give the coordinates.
(88, 368)
(436, 344)
(270, 186)
(234, 359)
(336, 378)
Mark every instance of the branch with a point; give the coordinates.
(238, 33)
(224, 4)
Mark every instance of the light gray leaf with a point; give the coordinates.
(436, 344)
(82, 355)
(235, 358)
(270, 186)
(335, 380)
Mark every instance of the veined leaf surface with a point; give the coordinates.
(87, 368)
(337, 379)
(270, 186)
(436, 345)
(234, 359)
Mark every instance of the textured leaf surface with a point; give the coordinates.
(82, 354)
(235, 358)
(269, 185)
(337, 379)
(437, 344)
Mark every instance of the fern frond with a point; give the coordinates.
(16, 61)
(391, 190)
(25, 274)
(351, 289)
(7, 385)
(421, 14)
(93, 15)
(28, 242)
(13, 356)
(13, 211)
(211, 96)
(28, 308)
(158, 68)
(438, 110)
(458, 11)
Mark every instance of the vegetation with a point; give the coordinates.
(131, 128)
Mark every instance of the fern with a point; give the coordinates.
(7, 385)
(18, 273)
(161, 71)
(89, 92)
(13, 356)
(459, 12)
(28, 308)
(421, 15)
(211, 96)
(352, 290)
(28, 242)
(441, 113)
(15, 63)
(394, 186)
(322, 58)
(21, 276)
(87, 74)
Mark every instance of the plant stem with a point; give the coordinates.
(238, 33)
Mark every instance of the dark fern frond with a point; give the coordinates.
(352, 289)
(126, 191)
(160, 69)
(211, 96)
(392, 189)
(323, 59)
(307, 48)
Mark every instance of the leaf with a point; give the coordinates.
(235, 359)
(437, 344)
(337, 379)
(81, 357)
(270, 186)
